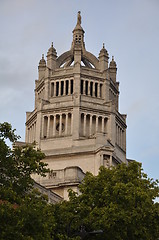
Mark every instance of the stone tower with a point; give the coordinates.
(76, 121)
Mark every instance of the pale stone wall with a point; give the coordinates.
(76, 121)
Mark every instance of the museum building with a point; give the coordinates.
(76, 120)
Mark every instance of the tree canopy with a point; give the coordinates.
(119, 201)
(24, 212)
(17, 165)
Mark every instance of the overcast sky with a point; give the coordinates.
(130, 31)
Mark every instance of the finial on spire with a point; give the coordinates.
(112, 58)
(42, 56)
(52, 44)
(103, 45)
(79, 18)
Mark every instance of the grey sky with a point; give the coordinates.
(130, 31)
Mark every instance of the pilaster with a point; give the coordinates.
(39, 126)
(111, 128)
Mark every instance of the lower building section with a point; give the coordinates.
(52, 196)
(60, 181)
(70, 161)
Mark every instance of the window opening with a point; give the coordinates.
(91, 88)
(67, 83)
(52, 89)
(62, 86)
(86, 87)
(81, 86)
(45, 126)
(83, 64)
(57, 88)
(101, 85)
(96, 89)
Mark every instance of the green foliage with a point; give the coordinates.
(6, 132)
(24, 212)
(17, 165)
(119, 201)
(31, 219)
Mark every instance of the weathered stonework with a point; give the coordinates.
(76, 121)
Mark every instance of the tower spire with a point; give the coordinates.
(78, 33)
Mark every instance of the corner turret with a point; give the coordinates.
(51, 57)
(42, 67)
(113, 70)
(103, 59)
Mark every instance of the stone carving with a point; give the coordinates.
(79, 18)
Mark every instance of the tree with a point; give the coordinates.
(120, 201)
(17, 165)
(24, 213)
(31, 219)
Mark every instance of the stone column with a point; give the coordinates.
(48, 127)
(96, 124)
(106, 125)
(101, 90)
(110, 160)
(71, 123)
(93, 89)
(64, 87)
(54, 89)
(98, 93)
(69, 87)
(84, 127)
(89, 88)
(122, 138)
(34, 131)
(42, 127)
(90, 126)
(26, 134)
(66, 124)
(54, 126)
(102, 124)
(119, 135)
(29, 134)
(84, 87)
(60, 127)
(47, 88)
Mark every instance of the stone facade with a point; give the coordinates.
(76, 121)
